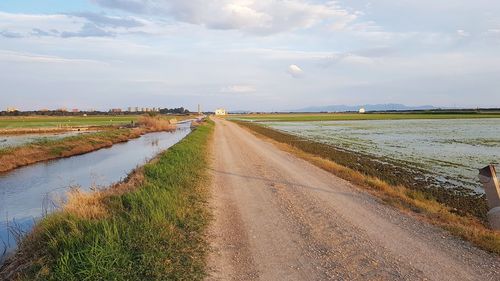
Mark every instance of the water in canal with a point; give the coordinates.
(16, 140)
(28, 192)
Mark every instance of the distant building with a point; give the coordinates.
(116, 110)
(75, 110)
(62, 109)
(362, 110)
(130, 109)
(12, 109)
(220, 111)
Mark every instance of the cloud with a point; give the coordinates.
(295, 71)
(18, 57)
(238, 89)
(10, 34)
(255, 16)
(88, 30)
(39, 32)
(462, 33)
(103, 20)
(85, 24)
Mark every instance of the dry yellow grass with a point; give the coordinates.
(85, 205)
(156, 123)
(409, 201)
(90, 205)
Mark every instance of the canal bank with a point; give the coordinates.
(46, 149)
(29, 192)
(154, 231)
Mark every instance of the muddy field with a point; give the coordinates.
(450, 151)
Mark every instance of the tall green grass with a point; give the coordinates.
(154, 232)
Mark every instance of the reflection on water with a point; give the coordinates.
(16, 140)
(27, 193)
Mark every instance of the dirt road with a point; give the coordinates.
(280, 218)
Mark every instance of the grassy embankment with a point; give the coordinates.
(356, 116)
(418, 202)
(149, 228)
(11, 158)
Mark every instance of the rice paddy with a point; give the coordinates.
(450, 151)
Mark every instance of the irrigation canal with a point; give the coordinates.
(27, 193)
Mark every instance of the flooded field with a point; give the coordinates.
(29, 192)
(16, 140)
(449, 151)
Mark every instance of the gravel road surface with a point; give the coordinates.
(278, 217)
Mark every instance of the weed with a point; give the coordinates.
(150, 229)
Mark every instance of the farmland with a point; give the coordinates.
(450, 150)
(61, 121)
(290, 117)
(28, 148)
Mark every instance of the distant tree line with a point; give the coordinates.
(62, 113)
(179, 110)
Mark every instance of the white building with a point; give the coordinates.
(362, 110)
(220, 111)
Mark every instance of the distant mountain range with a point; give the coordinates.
(367, 107)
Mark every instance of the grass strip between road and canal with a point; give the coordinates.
(415, 201)
(150, 227)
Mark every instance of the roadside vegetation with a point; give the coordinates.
(459, 214)
(356, 116)
(150, 227)
(11, 158)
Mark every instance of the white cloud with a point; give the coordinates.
(255, 16)
(295, 71)
(238, 89)
(10, 56)
(83, 24)
(462, 33)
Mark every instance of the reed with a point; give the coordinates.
(156, 123)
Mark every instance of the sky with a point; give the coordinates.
(259, 55)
